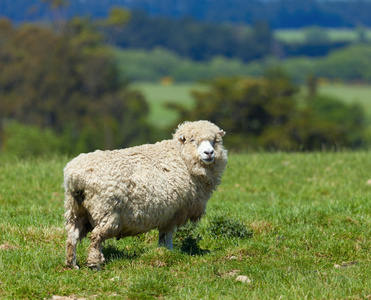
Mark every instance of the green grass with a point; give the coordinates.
(290, 35)
(350, 94)
(309, 214)
(159, 95)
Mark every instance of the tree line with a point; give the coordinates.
(195, 39)
(349, 64)
(277, 13)
(66, 81)
(201, 41)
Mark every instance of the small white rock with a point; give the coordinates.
(243, 278)
(115, 278)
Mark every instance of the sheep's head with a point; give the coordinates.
(202, 146)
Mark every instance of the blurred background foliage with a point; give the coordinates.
(65, 81)
(270, 114)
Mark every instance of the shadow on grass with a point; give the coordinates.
(111, 253)
(190, 246)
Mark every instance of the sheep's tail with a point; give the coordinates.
(76, 215)
(79, 196)
(75, 187)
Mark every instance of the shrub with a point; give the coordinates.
(189, 239)
(222, 226)
(28, 141)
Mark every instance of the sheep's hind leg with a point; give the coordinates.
(77, 226)
(74, 234)
(165, 239)
(95, 256)
(98, 236)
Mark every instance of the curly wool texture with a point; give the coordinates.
(131, 191)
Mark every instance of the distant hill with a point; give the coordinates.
(278, 13)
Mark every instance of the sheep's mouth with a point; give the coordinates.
(208, 161)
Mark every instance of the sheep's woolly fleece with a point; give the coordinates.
(131, 191)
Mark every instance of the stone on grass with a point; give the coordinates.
(243, 278)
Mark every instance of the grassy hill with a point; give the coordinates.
(350, 93)
(309, 215)
(159, 95)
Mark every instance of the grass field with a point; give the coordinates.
(310, 215)
(159, 95)
(350, 94)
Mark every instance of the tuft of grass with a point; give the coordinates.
(188, 239)
(222, 226)
(310, 215)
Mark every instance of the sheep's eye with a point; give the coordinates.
(192, 140)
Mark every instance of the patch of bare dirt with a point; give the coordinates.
(7, 246)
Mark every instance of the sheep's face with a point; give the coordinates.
(202, 146)
(206, 151)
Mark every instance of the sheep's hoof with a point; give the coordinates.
(94, 267)
(73, 267)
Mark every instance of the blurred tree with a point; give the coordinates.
(55, 4)
(69, 83)
(266, 114)
(279, 13)
(312, 85)
(328, 123)
(351, 63)
(6, 30)
(115, 23)
(196, 40)
(247, 109)
(57, 8)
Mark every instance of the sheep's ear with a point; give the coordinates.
(222, 133)
(182, 138)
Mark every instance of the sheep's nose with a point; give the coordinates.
(209, 152)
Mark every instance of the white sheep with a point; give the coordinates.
(131, 191)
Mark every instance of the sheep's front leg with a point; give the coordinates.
(165, 239)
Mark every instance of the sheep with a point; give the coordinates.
(131, 191)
